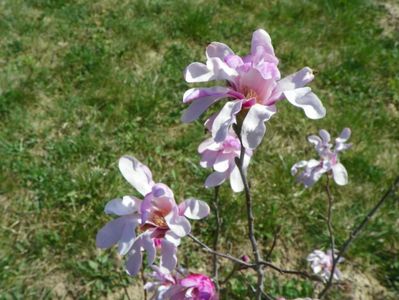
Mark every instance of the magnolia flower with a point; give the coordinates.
(321, 264)
(167, 286)
(159, 220)
(329, 159)
(253, 88)
(221, 157)
(162, 281)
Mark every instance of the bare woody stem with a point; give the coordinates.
(244, 264)
(250, 217)
(354, 234)
(329, 218)
(215, 266)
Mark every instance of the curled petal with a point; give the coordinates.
(225, 118)
(253, 127)
(137, 174)
(220, 50)
(178, 224)
(215, 69)
(260, 38)
(194, 209)
(198, 93)
(298, 165)
(308, 101)
(296, 80)
(199, 106)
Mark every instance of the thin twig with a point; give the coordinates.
(329, 217)
(290, 272)
(354, 234)
(275, 237)
(215, 272)
(124, 287)
(230, 257)
(144, 282)
(250, 217)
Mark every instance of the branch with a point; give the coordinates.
(230, 257)
(275, 237)
(215, 274)
(355, 232)
(250, 217)
(291, 272)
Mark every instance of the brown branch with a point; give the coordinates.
(291, 272)
(250, 217)
(354, 234)
(329, 217)
(215, 272)
(275, 237)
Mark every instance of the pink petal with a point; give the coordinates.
(219, 50)
(216, 179)
(134, 261)
(261, 38)
(111, 233)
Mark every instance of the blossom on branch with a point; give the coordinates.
(166, 286)
(253, 89)
(159, 221)
(322, 262)
(222, 158)
(328, 161)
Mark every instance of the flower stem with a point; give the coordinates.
(250, 217)
(215, 266)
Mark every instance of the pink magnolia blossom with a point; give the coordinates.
(328, 161)
(160, 222)
(166, 286)
(253, 88)
(321, 264)
(221, 157)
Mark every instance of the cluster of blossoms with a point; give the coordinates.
(253, 87)
(160, 222)
(180, 286)
(328, 161)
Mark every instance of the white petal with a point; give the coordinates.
(296, 80)
(194, 209)
(215, 69)
(225, 118)
(340, 174)
(222, 162)
(137, 174)
(121, 207)
(235, 181)
(111, 233)
(134, 260)
(168, 255)
(198, 93)
(308, 101)
(253, 127)
(298, 165)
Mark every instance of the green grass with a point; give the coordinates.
(84, 82)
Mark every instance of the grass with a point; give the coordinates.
(84, 82)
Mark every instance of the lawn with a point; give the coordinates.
(83, 82)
